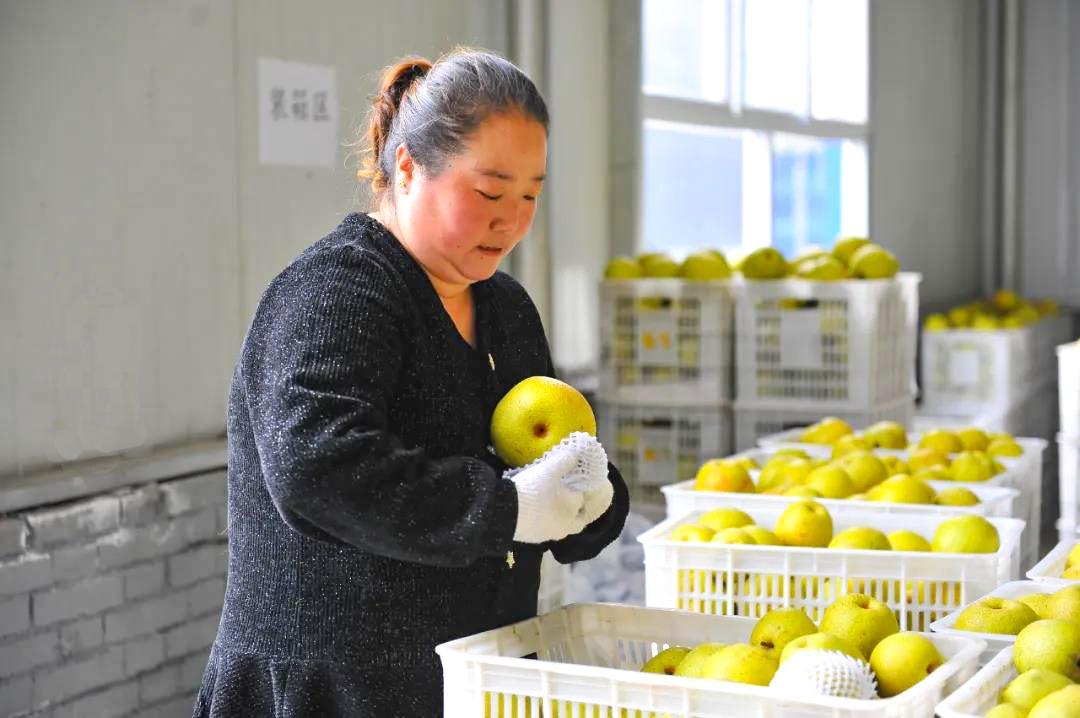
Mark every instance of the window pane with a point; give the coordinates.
(838, 62)
(819, 191)
(684, 51)
(704, 187)
(777, 55)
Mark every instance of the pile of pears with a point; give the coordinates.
(850, 258)
(831, 431)
(856, 625)
(808, 524)
(856, 474)
(1004, 310)
(1045, 654)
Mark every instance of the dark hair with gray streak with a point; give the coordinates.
(433, 108)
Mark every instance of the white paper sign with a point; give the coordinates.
(964, 367)
(800, 339)
(656, 458)
(298, 113)
(657, 338)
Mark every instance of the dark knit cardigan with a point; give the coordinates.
(368, 520)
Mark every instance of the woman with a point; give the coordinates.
(368, 520)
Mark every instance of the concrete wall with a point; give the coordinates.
(137, 228)
(108, 604)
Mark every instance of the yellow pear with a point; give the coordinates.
(1049, 643)
(1037, 602)
(693, 664)
(848, 444)
(725, 518)
(965, 534)
(865, 469)
(970, 467)
(623, 268)
(944, 442)
(658, 265)
(805, 523)
(535, 415)
(666, 661)
(996, 615)
(822, 269)
(973, 438)
(826, 431)
(722, 475)
(860, 620)
(741, 663)
(820, 642)
(904, 540)
(956, 496)
(874, 262)
(902, 489)
(861, 537)
(764, 263)
(831, 481)
(1074, 556)
(1004, 447)
(705, 266)
(691, 533)
(902, 660)
(1062, 703)
(779, 627)
(887, 435)
(1030, 687)
(762, 536)
(936, 323)
(733, 536)
(845, 247)
(925, 458)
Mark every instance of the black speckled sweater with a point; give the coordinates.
(368, 521)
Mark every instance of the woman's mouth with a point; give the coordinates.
(490, 251)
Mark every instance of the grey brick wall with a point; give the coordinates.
(108, 604)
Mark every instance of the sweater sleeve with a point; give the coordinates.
(319, 369)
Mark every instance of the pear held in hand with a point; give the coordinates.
(535, 415)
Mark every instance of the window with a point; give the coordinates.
(755, 123)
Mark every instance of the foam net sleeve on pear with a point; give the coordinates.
(591, 461)
(826, 673)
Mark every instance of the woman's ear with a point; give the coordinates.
(403, 169)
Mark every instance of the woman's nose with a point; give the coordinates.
(512, 217)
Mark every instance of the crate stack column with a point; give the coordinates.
(665, 380)
(808, 349)
(1069, 439)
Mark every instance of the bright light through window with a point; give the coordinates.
(777, 55)
(838, 46)
(684, 48)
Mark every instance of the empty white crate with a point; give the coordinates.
(1068, 489)
(825, 345)
(753, 421)
(589, 660)
(965, 371)
(995, 642)
(1069, 388)
(666, 341)
(750, 580)
(975, 698)
(658, 445)
(1052, 565)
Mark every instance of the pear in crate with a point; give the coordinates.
(741, 663)
(1065, 604)
(693, 665)
(874, 262)
(902, 660)
(725, 518)
(848, 444)
(822, 269)
(723, 475)
(762, 536)
(966, 534)
(1037, 602)
(826, 431)
(1049, 643)
(733, 536)
(860, 620)
(821, 642)
(623, 268)
(942, 441)
(925, 458)
(826, 673)
(831, 481)
(970, 467)
(845, 247)
(705, 266)
(956, 496)
(764, 263)
(805, 523)
(779, 627)
(861, 538)
(902, 489)
(658, 265)
(865, 469)
(936, 323)
(1030, 687)
(1073, 558)
(692, 533)
(996, 615)
(1062, 703)
(1004, 447)
(973, 438)
(666, 661)
(906, 540)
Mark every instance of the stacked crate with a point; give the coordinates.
(806, 349)
(1068, 356)
(665, 379)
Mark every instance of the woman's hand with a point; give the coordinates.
(591, 474)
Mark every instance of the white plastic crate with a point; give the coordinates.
(589, 656)
(976, 697)
(971, 372)
(1068, 487)
(1069, 388)
(658, 445)
(825, 345)
(666, 341)
(1052, 565)
(995, 642)
(754, 421)
(993, 501)
(750, 580)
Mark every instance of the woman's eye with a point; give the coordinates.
(530, 198)
(491, 197)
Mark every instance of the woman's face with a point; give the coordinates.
(461, 223)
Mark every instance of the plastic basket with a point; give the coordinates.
(1068, 483)
(972, 372)
(841, 345)
(1052, 565)
(589, 656)
(666, 341)
(657, 445)
(750, 580)
(975, 698)
(995, 642)
(755, 421)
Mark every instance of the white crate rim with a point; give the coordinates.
(963, 702)
(1010, 590)
(965, 650)
(1045, 569)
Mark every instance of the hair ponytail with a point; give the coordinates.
(395, 83)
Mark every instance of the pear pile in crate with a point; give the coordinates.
(850, 258)
(808, 524)
(1072, 564)
(1004, 310)
(858, 651)
(1047, 657)
(995, 614)
(837, 433)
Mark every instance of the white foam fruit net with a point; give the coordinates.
(826, 673)
(591, 461)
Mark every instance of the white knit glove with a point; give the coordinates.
(571, 474)
(548, 510)
(591, 474)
